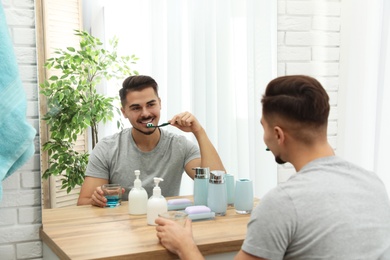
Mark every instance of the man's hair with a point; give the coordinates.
(300, 101)
(136, 83)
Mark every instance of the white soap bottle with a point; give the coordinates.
(157, 204)
(138, 198)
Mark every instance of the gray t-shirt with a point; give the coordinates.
(331, 209)
(116, 157)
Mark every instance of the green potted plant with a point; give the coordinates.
(74, 105)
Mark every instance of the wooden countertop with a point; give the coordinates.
(88, 232)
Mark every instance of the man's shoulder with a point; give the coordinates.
(165, 134)
(278, 193)
(179, 142)
(337, 167)
(114, 138)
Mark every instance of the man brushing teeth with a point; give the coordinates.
(155, 152)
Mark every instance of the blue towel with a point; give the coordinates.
(16, 134)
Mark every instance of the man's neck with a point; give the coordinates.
(145, 142)
(307, 154)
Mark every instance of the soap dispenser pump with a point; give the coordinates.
(157, 204)
(138, 198)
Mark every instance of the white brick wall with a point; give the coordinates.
(308, 43)
(20, 210)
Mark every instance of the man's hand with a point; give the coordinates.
(186, 122)
(178, 239)
(97, 198)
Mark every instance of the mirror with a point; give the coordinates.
(212, 58)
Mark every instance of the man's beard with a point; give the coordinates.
(145, 133)
(279, 160)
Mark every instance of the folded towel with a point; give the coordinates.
(16, 134)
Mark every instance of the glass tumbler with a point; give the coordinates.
(113, 194)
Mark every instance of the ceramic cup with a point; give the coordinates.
(113, 194)
(243, 199)
(229, 179)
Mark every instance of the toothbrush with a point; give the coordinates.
(150, 125)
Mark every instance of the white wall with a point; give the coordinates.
(366, 38)
(308, 43)
(20, 209)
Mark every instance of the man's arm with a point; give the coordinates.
(179, 240)
(245, 256)
(91, 192)
(209, 155)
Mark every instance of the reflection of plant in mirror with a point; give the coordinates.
(74, 104)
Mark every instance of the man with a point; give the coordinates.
(330, 209)
(153, 151)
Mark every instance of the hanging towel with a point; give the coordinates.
(16, 134)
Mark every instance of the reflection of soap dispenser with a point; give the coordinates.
(157, 204)
(201, 180)
(138, 198)
(217, 194)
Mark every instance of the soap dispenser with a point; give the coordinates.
(217, 193)
(201, 185)
(157, 204)
(138, 198)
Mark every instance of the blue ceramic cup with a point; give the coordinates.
(229, 179)
(243, 199)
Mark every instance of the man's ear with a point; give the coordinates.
(279, 134)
